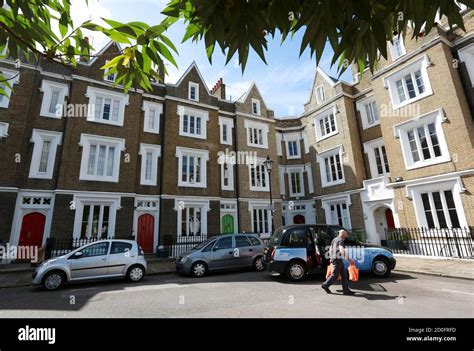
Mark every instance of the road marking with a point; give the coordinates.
(459, 292)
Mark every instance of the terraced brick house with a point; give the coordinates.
(394, 148)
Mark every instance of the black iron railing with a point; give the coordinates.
(176, 245)
(60, 246)
(437, 242)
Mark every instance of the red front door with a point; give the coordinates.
(146, 229)
(299, 219)
(389, 218)
(32, 229)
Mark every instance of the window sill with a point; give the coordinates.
(96, 179)
(117, 124)
(258, 146)
(259, 189)
(368, 126)
(294, 157)
(339, 182)
(327, 136)
(50, 115)
(434, 162)
(411, 101)
(192, 185)
(195, 136)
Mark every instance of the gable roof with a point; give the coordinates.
(331, 81)
(245, 96)
(99, 53)
(191, 66)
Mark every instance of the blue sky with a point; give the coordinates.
(285, 82)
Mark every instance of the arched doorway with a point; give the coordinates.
(227, 226)
(389, 218)
(299, 219)
(383, 220)
(146, 231)
(32, 229)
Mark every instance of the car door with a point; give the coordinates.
(243, 250)
(222, 253)
(323, 241)
(120, 257)
(93, 262)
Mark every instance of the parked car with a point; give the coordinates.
(287, 252)
(223, 252)
(102, 259)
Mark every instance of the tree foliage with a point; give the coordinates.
(356, 30)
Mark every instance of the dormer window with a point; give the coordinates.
(193, 91)
(397, 48)
(109, 77)
(256, 107)
(320, 95)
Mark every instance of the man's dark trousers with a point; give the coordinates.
(338, 268)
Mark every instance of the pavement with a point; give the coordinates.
(19, 274)
(246, 294)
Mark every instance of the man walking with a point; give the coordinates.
(337, 254)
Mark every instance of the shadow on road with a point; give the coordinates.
(73, 297)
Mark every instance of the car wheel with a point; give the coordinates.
(135, 273)
(296, 271)
(258, 264)
(198, 269)
(54, 280)
(380, 267)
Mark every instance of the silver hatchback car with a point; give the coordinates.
(228, 251)
(100, 260)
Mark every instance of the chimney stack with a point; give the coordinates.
(85, 58)
(218, 90)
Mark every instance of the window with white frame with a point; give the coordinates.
(466, 54)
(293, 147)
(397, 48)
(109, 77)
(368, 112)
(409, 84)
(100, 158)
(325, 124)
(439, 209)
(44, 153)
(193, 91)
(192, 122)
(107, 106)
(12, 77)
(257, 134)
(151, 122)
(320, 94)
(192, 167)
(258, 176)
(339, 213)
(95, 217)
(309, 175)
(422, 140)
(149, 166)
(438, 204)
(54, 94)
(377, 155)
(226, 126)
(227, 172)
(331, 167)
(192, 218)
(256, 107)
(281, 176)
(3, 129)
(296, 181)
(261, 220)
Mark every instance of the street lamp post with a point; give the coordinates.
(268, 163)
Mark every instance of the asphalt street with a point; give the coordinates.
(246, 294)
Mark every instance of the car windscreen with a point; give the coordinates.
(275, 239)
(201, 245)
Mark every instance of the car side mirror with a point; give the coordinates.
(77, 254)
(215, 248)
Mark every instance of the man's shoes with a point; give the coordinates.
(326, 289)
(348, 293)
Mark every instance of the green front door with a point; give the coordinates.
(227, 224)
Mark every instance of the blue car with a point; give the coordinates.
(298, 250)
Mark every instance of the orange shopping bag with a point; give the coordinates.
(329, 272)
(353, 272)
